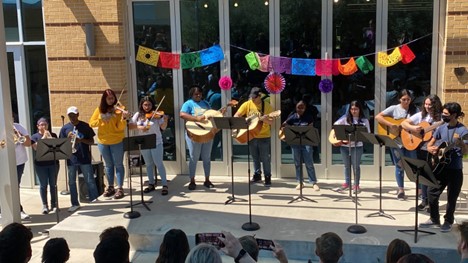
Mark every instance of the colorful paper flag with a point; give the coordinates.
(148, 56)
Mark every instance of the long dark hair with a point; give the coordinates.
(55, 251)
(140, 107)
(412, 108)
(349, 116)
(436, 108)
(174, 248)
(103, 107)
(397, 249)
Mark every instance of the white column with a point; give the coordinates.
(9, 194)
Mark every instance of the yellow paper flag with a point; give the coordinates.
(148, 56)
(385, 60)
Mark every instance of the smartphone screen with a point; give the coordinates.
(209, 238)
(265, 244)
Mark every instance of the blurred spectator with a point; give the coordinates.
(397, 249)
(174, 248)
(15, 244)
(203, 253)
(116, 231)
(415, 258)
(112, 249)
(249, 244)
(462, 246)
(56, 250)
(329, 248)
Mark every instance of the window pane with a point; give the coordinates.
(300, 40)
(12, 78)
(33, 28)
(11, 20)
(152, 29)
(249, 31)
(200, 30)
(36, 70)
(354, 39)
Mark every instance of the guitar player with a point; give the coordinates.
(398, 113)
(260, 145)
(429, 113)
(452, 132)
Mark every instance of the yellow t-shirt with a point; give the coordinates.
(110, 131)
(249, 108)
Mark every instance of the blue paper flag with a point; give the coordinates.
(211, 55)
(303, 66)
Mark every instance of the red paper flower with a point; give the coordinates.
(274, 83)
(225, 83)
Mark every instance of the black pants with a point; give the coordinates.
(453, 180)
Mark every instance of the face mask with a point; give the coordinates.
(446, 118)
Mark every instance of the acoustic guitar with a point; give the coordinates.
(202, 132)
(412, 140)
(442, 158)
(383, 129)
(334, 141)
(255, 127)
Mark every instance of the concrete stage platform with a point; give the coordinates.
(295, 225)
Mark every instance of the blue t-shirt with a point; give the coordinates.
(449, 135)
(195, 108)
(35, 138)
(82, 154)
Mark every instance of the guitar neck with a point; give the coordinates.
(433, 126)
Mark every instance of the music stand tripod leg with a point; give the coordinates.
(232, 198)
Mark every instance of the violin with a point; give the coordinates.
(154, 115)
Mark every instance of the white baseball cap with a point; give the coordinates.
(72, 109)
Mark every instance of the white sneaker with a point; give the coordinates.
(74, 208)
(95, 200)
(53, 210)
(24, 215)
(316, 187)
(299, 186)
(45, 210)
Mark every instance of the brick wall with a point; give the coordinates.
(74, 78)
(456, 85)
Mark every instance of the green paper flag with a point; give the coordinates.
(252, 60)
(364, 64)
(190, 60)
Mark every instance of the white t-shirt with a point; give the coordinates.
(154, 128)
(356, 120)
(20, 149)
(417, 118)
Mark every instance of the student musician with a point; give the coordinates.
(192, 110)
(354, 116)
(455, 134)
(399, 112)
(260, 145)
(299, 118)
(146, 121)
(430, 113)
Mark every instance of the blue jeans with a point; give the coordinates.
(155, 156)
(47, 175)
(356, 154)
(260, 151)
(196, 150)
(399, 171)
(87, 170)
(307, 153)
(113, 158)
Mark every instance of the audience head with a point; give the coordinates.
(112, 249)
(55, 251)
(397, 249)
(15, 243)
(116, 231)
(174, 248)
(329, 247)
(249, 244)
(203, 253)
(463, 239)
(415, 258)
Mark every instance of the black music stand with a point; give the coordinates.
(139, 143)
(380, 140)
(352, 133)
(301, 135)
(53, 150)
(419, 172)
(231, 123)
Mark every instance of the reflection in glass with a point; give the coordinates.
(11, 21)
(353, 40)
(12, 78)
(152, 29)
(248, 31)
(31, 13)
(38, 89)
(300, 40)
(200, 23)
